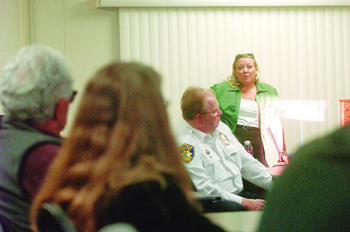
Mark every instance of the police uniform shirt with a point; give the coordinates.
(216, 162)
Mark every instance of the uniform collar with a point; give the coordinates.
(215, 134)
(260, 87)
(201, 135)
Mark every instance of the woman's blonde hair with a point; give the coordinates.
(121, 135)
(233, 80)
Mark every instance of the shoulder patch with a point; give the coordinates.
(187, 152)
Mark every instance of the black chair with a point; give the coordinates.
(1, 116)
(51, 218)
(118, 227)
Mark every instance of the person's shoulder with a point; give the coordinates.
(264, 86)
(223, 89)
(184, 133)
(329, 148)
(338, 141)
(47, 148)
(267, 89)
(221, 86)
(223, 128)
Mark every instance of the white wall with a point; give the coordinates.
(302, 51)
(10, 30)
(86, 35)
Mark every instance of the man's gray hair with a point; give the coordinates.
(33, 82)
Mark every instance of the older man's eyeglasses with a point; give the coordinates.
(215, 113)
(73, 96)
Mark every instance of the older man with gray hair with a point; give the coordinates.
(35, 91)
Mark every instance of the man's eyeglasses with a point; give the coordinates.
(215, 112)
(73, 96)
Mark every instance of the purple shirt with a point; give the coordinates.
(36, 166)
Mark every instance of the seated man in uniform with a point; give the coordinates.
(35, 91)
(214, 158)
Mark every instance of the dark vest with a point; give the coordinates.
(16, 141)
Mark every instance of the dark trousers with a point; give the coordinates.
(252, 134)
(226, 206)
(220, 206)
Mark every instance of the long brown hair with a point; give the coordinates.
(121, 135)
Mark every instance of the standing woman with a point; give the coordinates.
(250, 109)
(120, 163)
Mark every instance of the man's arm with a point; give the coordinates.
(255, 172)
(203, 183)
(250, 168)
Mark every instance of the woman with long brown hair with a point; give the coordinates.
(120, 162)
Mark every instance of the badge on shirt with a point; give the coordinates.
(224, 139)
(187, 152)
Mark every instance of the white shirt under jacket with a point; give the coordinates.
(216, 162)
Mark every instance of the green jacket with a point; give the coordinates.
(271, 129)
(229, 99)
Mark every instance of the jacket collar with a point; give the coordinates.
(260, 87)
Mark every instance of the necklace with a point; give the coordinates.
(248, 94)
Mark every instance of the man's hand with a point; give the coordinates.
(253, 204)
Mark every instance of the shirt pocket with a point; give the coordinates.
(213, 167)
(229, 150)
(232, 154)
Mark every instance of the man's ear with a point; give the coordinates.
(61, 111)
(199, 117)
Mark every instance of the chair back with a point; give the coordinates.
(51, 218)
(1, 229)
(1, 116)
(118, 227)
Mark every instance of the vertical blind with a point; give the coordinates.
(302, 51)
